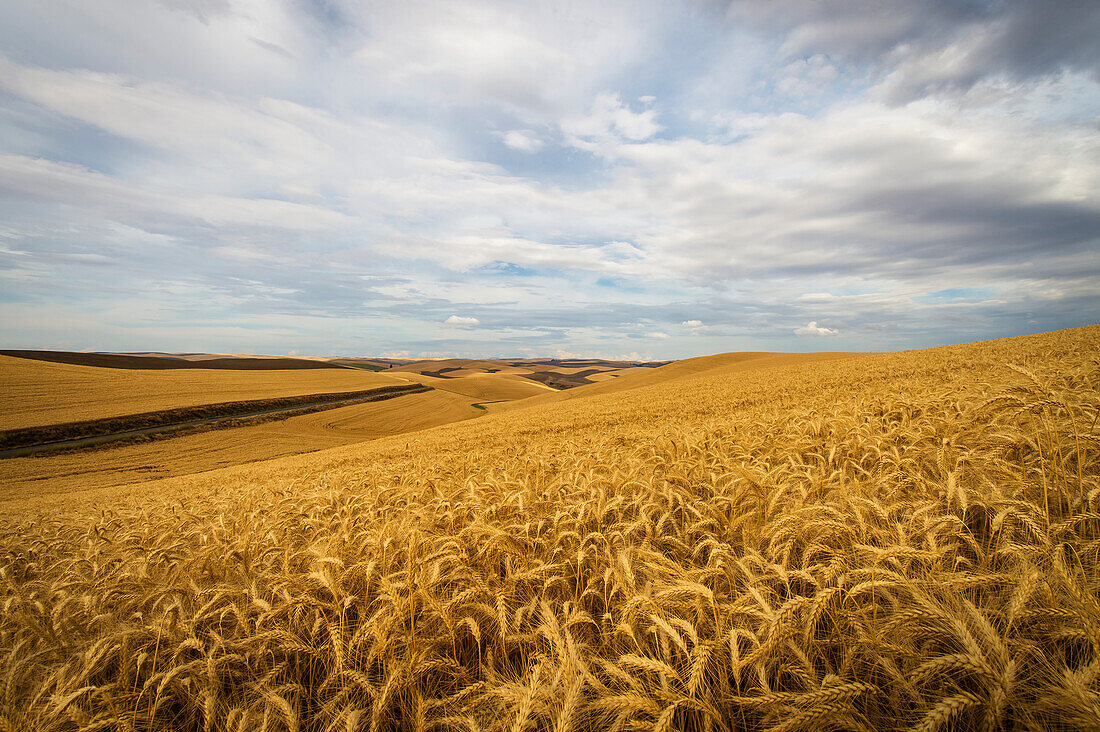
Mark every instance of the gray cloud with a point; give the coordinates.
(858, 28)
(940, 44)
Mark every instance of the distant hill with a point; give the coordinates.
(143, 361)
(556, 373)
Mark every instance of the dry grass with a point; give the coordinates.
(898, 541)
(39, 393)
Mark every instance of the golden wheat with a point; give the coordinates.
(894, 541)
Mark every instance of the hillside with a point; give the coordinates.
(161, 361)
(633, 378)
(40, 393)
(555, 374)
(76, 472)
(749, 541)
(490, 387)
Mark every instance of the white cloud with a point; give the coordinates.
(807, 77)
(656, 334)
(523, 140)
(459, 320)
(536, 63)
(696, 327)
(268, 136)
(813, 329)
(73, 185)
(610, 121)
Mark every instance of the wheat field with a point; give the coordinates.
(499, 387)
(875, 542)
(39, 393)
(83, 470)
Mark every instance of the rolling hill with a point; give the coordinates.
(40, 392)
(748, 541)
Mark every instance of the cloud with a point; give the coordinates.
(656, 334)
(533, 63)
(902, 193)
(264, 169)
(696, 327)
(262, 136)
(807, 77)
(65, 183)
(522, 140)
(202, 9)
(813, 329)
(459, 320)
(927, 48)
(608, 121)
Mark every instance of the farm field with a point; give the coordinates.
(745, 541)
(610, 382)
(156, 360)
(491, 383)
(553, 374)
(195, 453)
(501, 386)
(40, 393)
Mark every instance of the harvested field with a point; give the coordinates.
(38, 393)
(585, 363)
(607, 375)
(565, 379)
(52, 474)
(537, 368)
(360, 363)
(491, 387)
(872, 542)
(725, 363)
(496, 387)
(552, 373)
(446, 365)
(371, 421)
(160, 362)
(207, 416)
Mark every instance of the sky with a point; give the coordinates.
(636, 179)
